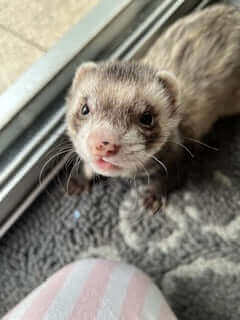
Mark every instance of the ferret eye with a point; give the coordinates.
(85, 110)
(146, 119)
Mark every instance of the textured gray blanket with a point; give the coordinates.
(191, 250)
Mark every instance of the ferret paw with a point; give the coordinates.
(152, 200)
(78, 184)
(76, 187)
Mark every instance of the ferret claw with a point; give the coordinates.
(153, 202)
(161, 206)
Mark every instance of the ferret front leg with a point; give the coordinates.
(153, 196)
(80, 183)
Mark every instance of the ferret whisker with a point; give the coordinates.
(49, 160)
(184, 147)
(70, 160)
(161, 164)
(70, 175)
(64, 142)
(153, 140)
(145, 170)
(78, 165)
(132, 181)
(129, 180)
(132, 152)
(60, 147)
(139, 107)
(201, 143)
(55, 150)
(135, 181)
(134, 144)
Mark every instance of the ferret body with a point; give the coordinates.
(124, 116)
(203, 51)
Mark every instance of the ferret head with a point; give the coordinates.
(119, 114)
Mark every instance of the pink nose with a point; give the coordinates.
(103, 144)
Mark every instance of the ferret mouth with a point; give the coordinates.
(105, 164)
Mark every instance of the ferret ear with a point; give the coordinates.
(81, 71)
(169, 83)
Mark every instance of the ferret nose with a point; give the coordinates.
(103, 144)
(105, 148)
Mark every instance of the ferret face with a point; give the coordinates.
(120, 114)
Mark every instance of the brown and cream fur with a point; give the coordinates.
(188, 80)
(203, 51)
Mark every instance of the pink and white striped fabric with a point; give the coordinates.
(95, 289)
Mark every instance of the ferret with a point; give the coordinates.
(123, 117)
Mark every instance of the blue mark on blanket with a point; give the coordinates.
(76, 214)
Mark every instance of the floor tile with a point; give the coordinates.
(43, 22)
(15, 57)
